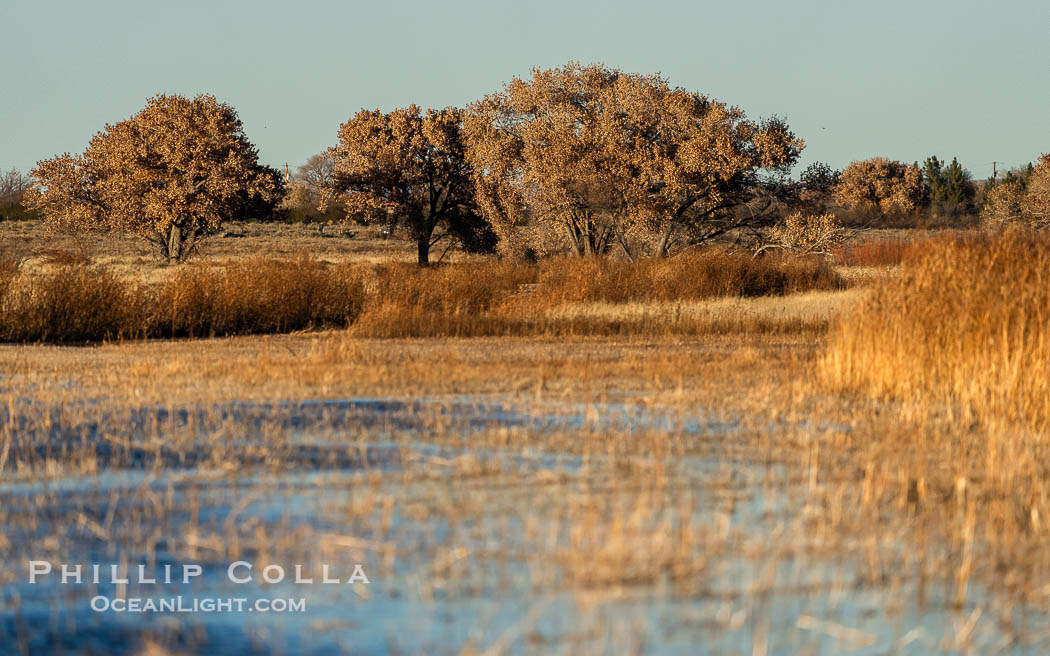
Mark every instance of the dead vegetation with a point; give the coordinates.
(76, 303)
(967, 324)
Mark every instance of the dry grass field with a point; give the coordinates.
(847, 459)
(131, 257)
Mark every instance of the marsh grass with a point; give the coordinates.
(76, 303)
(254, 296)
(967, 325)
(555, 296)
(630, 520)
(689, 276)
(71, 304)
(956, 351)
(884, 251)
(80, 303)
(8, 274)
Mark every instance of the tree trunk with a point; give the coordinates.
(174, 244)
(665, 242)
(423, 251)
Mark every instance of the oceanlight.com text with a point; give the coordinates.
(180, 604)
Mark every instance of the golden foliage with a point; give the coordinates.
(1020, 204)
(172, 172)
(890, 186)
(299, 194)
(408, 164)
(1035, 205)
(807, 234)
(596, 154)
(1002, 205)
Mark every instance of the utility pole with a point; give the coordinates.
(994, 172)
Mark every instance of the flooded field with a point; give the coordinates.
(456, 523)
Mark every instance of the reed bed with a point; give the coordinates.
(76, 303)
(81, 303)
(493, 298)
(968, 326)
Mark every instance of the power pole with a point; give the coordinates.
(994, 173)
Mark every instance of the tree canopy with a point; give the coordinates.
(1022, 199)
(947, 185)
(887, 185)
(173, 173)
(411, 165)
(597, 154)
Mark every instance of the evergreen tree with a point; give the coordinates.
(955, 185)
(947, 185)
(933, 176)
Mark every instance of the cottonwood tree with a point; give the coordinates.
(703, 164)
(805, 235)
(13, 186)
(1022, 200)
(1035, 204)
(539, 152)
(597, 154)
(311, 193)
(318, 171)
(172, 173)
(880, 183)
(410, 165)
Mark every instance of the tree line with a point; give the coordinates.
(585, 158)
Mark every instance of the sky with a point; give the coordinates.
(855, 79)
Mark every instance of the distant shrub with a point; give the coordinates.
(1002, 205)
(891, 187)
(1020, 201)
(806, 235)
(17, 212)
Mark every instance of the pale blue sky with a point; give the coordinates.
(903, 79)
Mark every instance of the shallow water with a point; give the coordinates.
(466, 540)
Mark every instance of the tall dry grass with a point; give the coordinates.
(967, 325)
(8, 274)
(80, 303)
(690, 276)
(886, 251)
(71, 304)
(77, 303)
(258, 295)
(493, 297)
(457, 300)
